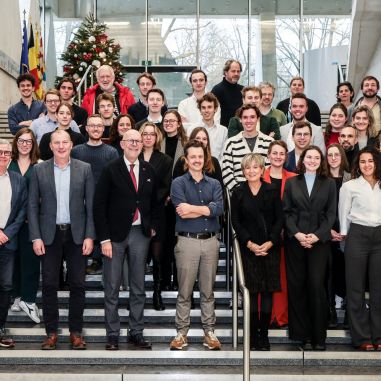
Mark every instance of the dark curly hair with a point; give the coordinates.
(377, 163)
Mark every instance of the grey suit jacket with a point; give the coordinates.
(42, 202)
(18, 209)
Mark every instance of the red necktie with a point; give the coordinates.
(133, 178)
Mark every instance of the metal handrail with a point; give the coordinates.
(84, 81)
(239, 280)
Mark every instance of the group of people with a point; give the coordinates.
(127, 182)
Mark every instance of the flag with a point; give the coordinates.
(40, 64)
(24, 62)
(33, 60)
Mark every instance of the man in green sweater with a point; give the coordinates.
(252, 95)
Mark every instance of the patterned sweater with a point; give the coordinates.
(235, 149)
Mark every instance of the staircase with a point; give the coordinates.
(195, 362)
(4, 128)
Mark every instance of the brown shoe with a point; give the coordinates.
(77, 341)
(6, 341)
(366, 347)
(50, 342)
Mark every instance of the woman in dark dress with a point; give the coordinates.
(26, 275)
(162, 164)
(337, 165)
(119, 127)
(257, 220)
(212, 166)
(173, 144)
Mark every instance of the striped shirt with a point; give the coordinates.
(235, 149)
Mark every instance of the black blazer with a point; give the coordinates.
(116, 200)
(162, 164)
(310, 214)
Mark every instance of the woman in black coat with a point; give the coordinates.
(309, 206)
(162, 165)
(256, 210)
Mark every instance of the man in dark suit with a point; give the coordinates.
(60, 213)
(126, 217)
(301, 136)
(13, 201)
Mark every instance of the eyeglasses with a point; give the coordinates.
(95, 126)
(52, 101)
(132, 141)
(5, 153)
(169, 121)
(145, 134)
(28, 142)
(302, 134)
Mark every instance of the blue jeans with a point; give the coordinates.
(7, 259)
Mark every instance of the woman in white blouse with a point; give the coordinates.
(360, 223)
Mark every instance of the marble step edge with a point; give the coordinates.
(165, 332)
(181, 376)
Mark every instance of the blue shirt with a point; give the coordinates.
(310, 180)
(20, 112)
(62, 182)
(207, 192)
(43, 125)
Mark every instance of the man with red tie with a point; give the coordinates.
(126, 216)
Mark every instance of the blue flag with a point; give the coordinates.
(24, 62)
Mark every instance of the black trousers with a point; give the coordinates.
(362, 259)
(307, 299)
(7, 260)
(63, 246)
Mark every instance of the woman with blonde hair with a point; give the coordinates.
(256, 212)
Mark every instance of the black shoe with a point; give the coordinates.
(254, 340)
(332, 322)
(345, 322)
(157, 301)
(112, 343)
(264, 343)
(307, 345)
(319, 347)
(193, 305)
(139, 341)
(95, 268)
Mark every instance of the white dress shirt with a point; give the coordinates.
(359, 203)
(136, 172)
(5, 199)
(218, 135)
(188, 109)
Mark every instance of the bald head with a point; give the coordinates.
(132, 145)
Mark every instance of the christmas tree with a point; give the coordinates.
(91, 46)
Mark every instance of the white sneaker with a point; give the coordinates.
(16, 305)
(31, 310)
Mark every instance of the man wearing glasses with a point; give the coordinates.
(98, 155)
(126, 216)
(13, 203)
(48, 122)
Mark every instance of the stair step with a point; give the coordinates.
(193, 355)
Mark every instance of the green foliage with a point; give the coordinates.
(91, 46)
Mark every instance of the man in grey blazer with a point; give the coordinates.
(13, 199)
(61, 225)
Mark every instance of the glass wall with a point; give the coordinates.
(274, 40)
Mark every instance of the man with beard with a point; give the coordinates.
(348, 140)
(106, 84)
(299, 109)
(228, 91)
(369, 87)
